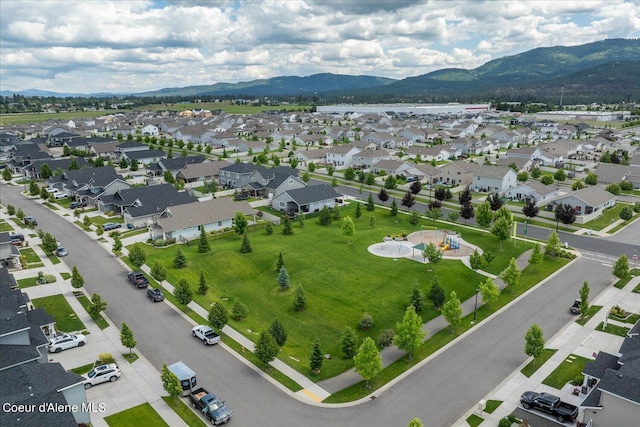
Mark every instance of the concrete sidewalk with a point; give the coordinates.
(573, 339)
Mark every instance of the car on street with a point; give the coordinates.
(102, 374)
(108, 226)
(138, 278)
(206, 334)
(30, 220)
(575, 307)
(61, 251)
(155, 295)
(65, 342)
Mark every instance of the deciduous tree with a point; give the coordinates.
(266, 348)
(348, 228)
(530, 209)
(126, 337)
(97, 305)
(240, 223)
(367, 361)
(218, 316)
(408, 333)
(484, 215)
(170, 382)
(489, 291)
(77, 281)
(511, 275)
(536, 257)
(502, 229)
(158, 272)
(534, 342)
(432, 253)
(451, 311)
(182, 292)
(584, 298)
(137, 255)
(621, 267)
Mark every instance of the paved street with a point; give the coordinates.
(439, 392)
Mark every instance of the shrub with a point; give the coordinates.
(159, 242)
(105, 359)
(366, 322)
(385, 339)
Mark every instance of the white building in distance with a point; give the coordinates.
(417, 109)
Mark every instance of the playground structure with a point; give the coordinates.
(450, 241)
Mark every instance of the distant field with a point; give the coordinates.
(16, 119)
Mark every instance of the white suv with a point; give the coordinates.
(66, 341)
(102, 374)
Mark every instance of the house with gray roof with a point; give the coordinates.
(32, 171)
(612, 383)
(144, 157)
(588, 201)
(459, 172)
(306, 200)
(534, 191)
(184, 222)
(201, 172)
(494, 179)
(268, 183)
(88, 184)
(341, 155)
(365, 159)
(390, 167)
(611, 173)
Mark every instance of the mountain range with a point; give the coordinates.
(604, 71)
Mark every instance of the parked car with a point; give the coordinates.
(107, 226)
(30, 220)
(575, 308)
(138, 278)
(59, 196)
(155, 295)
(550, 404)
(75, 205)
(102, 374)
(65, 342)
(17, 239)
(51, 189)
(61, 251)
(206, 334)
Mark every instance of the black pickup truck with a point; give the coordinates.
(137, 278)
(550, 404)
(210, 406)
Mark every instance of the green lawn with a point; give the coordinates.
(610, 215)
(58, 307)
(5, 226)
(184, 412)
(83, 369)
(33, 260)
(571, 368)
(28, 282)
(341, 281)
(474, 420)
(533, 366)
(621, 283)
(141, 415)
(620, 331)
(582, 320)
(491, 406)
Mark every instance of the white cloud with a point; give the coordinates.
(135, 46)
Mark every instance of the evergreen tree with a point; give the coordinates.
(7, 175)
(218, 316)
(287, 228)
(383, 195)
(268, 229)
(408, 333)
(348, 342)
(280, 262)
(370, 205)
(126, 337)
(452, 311)
(278, 333)
(180, 260)
(367, 361)
(394, 208)
(182, 292)
(246, 245)
(315, 361)
(170, 382)
(417, 299)
(436, 293)
(299, 301)
(239, 311)
(325, 216)
(266, 348)
(203, 242)
(77, 281)
(202, 284)
(283, 279)
(359, 210)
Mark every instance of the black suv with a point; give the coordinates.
(138, 279)
(30, 220)
(155, 295)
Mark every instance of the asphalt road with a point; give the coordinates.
(438, 393)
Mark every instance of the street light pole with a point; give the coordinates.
(475, 309)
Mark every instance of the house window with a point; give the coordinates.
(282, 204)
(290, 181)
(219, 223)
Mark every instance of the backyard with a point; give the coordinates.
(338, 277)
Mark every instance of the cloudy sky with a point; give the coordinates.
(89, 46)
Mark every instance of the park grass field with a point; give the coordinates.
(341, 281)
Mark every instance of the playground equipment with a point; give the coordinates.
(450, 242)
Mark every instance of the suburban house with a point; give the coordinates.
(494, 179)
(534, 191)
(367, 158)
(611, 173)
(8, 141)
(8, 252)
(317, 156)
(184, 222)
(424, 172)
(140, 205)
(390, 167)
(590, 200)
(341, 155)
(144, 157)
(88, 184)
(173, 165)
(531, 153)
(457, 173)
(237, 175)
(201, 172)
(25, 374)
(613, 385)
(267, 183)
(523, 164)
(307, 199)
(32, 171)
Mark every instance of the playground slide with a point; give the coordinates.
(445, 247)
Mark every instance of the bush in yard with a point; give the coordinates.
(366, 322)
(239, 311)
(137, 256)
(385, 339)
(626, 213)
(348, 342)
(105, 359)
